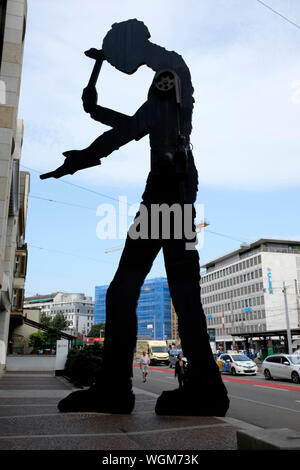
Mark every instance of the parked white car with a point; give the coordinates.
(236, 364)
(282, 366)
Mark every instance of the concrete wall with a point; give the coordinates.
(30, 363)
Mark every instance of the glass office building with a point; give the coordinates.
(153, 311)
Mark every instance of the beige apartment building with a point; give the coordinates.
(14, 184)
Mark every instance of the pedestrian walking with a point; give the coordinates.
(144, 363)
(180, 370)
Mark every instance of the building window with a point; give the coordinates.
(17, 299)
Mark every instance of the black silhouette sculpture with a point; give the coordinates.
(166, 116)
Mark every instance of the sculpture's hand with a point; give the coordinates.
(89, 98)
(75, 160)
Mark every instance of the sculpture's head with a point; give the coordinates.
(124, 46)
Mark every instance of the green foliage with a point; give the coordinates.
(95, 330)
(37, 340)
(55, 326)
(83, 365)
(45, 319)
(59, 322)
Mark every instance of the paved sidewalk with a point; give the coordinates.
(29, 419)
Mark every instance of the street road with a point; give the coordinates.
(268, 404)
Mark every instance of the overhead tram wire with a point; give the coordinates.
(68, 254)
(75, 185)
(60, 202)
(109, 197)
(279, 14)
(225, 236)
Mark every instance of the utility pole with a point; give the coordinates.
(223, 330)
(297, 302)
(288, 330)
(232, 322)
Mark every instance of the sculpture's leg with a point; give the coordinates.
(112, 392)
(121, 302)
(204, 391)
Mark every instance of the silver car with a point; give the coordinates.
(282, 366)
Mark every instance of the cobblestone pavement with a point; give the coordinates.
(29, 419)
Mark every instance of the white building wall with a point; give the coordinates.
(76, 307)
(279, 268)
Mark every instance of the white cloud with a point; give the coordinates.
(243, 64)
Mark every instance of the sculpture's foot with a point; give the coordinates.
(98, 400)
(186, 402)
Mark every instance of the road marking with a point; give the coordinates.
(268, 388)
(140, 391)
(145, 401)
(265, 404)
(154, 379)
(237, 423)
(37, 416)
(37, 393)
(108, 434)
(294, 388)
(33, 405)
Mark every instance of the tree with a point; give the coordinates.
(59, 322)
(45, 319)
(55, 326)
(95, 330)
(37, 340)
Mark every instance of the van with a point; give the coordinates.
(157, 351)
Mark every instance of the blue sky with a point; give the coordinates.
(245, 68)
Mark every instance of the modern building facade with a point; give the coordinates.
(78, 309)
(242, 291)
(153, 310)
(14, 185)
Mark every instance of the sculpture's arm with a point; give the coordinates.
(107, 116)
(133, 128)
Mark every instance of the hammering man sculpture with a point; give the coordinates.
(166, 116)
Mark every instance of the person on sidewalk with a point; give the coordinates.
(144, 365)
(180, 370)
(172, 184)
